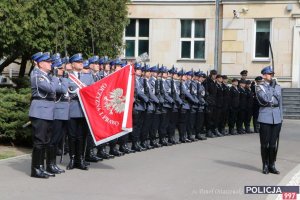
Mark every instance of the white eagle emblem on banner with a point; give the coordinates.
(115, 102)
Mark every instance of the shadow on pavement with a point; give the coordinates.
(100, 165)
(22, 165)
(238, 165)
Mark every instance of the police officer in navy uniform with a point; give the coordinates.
(270, 117)
(219, 105)
(77, 122)
(249, 112)
(139, 107)
(256, 82)
(211, 95)
(234, 96)
(61, 114)
(244, 75)
(226, 101)
(41, 112)
(242, 107)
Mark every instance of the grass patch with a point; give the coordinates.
(7, 154)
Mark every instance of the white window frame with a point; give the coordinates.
(136, 39)
(192, 40)
(261, 59)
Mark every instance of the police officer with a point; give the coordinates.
(219, 105)
(41, 112)
(234, 96)
(150, 108)
(167, 106)
(242, 107)
(200, 135)
(139, 107)
(226, 101)
(61, 115)
(76, 124)
(94, 64)
(270, 118)
(192, 88)
(89, 76)
(256, 82)
(184, 112)
(155, 81)
(249, 111)
(244, 74)
(211, 95)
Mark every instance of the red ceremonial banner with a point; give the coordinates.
(107, 105)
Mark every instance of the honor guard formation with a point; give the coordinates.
(196, 104)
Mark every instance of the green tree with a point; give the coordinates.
(90, 26)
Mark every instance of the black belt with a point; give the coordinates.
(63, 100)
(75, 99)
(40, 98)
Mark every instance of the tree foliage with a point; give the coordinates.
(14, 106)
(87, 26)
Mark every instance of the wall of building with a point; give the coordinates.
(164, 36)
(238, 35)
(238, 39)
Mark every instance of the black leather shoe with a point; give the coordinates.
(71, 163)
(79, 164)
(137, 147)
(154, 144)
(217, 133)
(103, 154)
(47, 173)
(91, 157)
(52, 169)
(37, 172)
(125, 149)
(273, 170)
(116, 152)
(58, 169)
(265, 169)
(209, 134)
(200, 137)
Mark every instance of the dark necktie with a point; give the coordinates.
(79, 75)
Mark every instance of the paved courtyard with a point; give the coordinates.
(214, 169)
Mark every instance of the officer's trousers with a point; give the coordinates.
(138, 120)
(164, 123)
(58, 131)
(182, 123)
(174, 117)
(199, 122)
(268, 134)
(41, 132)
(219, 118)
(211, 118)
(191, 119)
(233, 114)
(241, 119)
(155, 125)
(248, 117)
(147, 126)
